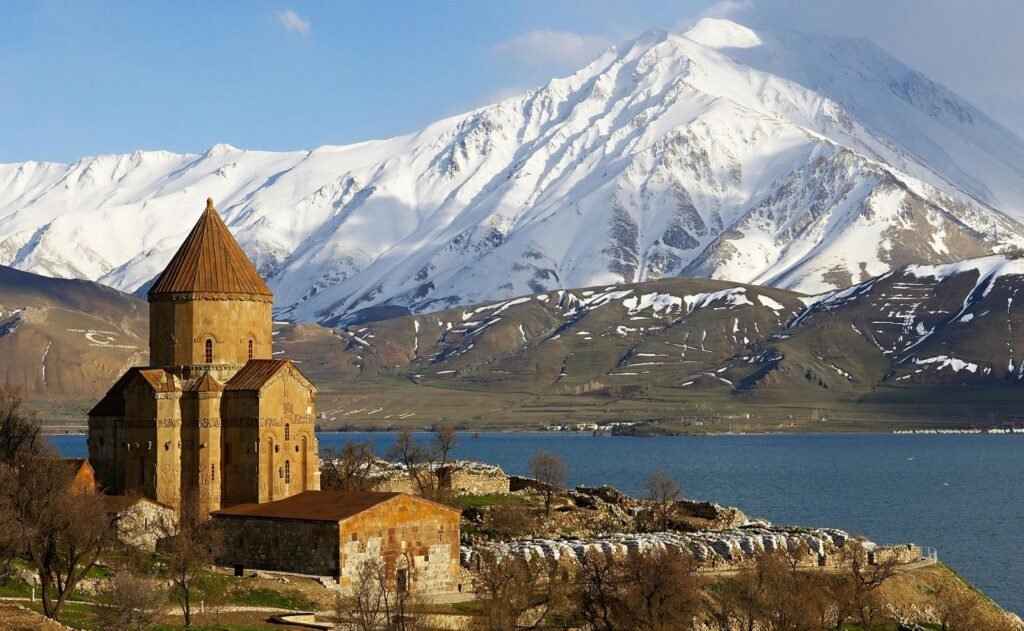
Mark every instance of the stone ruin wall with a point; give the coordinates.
(471, 478)
(903, 554)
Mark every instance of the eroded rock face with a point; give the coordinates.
(713, 550)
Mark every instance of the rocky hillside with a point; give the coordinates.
(780, 159)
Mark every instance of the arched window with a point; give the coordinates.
(287, 472)
(250, 348)
(209, 351)
(287, 431)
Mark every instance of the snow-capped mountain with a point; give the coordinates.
(774, 158)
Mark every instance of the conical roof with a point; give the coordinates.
(210, 261)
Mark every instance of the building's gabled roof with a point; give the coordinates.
(257, 372)
(321, 505)
(79, 474)
(206, 383)
(158, 379)
(210, 261)
(112, 403)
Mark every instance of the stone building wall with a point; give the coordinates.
(411, 535)
(284, 545)
(178, 330)
(408, 533)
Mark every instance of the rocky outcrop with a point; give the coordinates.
(713, 550)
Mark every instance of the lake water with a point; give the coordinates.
(962, 494)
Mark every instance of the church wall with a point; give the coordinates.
(411, 534)
(240, 443)
(178, 331)
(288, 461)
(151, 452)
(106, 451)
(201, 468)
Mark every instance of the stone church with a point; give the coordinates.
(214, 416)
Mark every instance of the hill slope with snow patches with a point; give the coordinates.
(781, 159)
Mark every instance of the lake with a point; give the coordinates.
(962, 494)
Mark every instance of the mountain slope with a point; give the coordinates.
(802, 162)
(66, 341)
(924, 344)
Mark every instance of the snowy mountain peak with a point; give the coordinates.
(776, 158)
(720, 33)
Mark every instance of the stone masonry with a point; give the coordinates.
(331, 533)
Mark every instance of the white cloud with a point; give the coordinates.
(563, 49)
(725, 9)
(292, 23)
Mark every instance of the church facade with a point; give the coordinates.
(214, 418)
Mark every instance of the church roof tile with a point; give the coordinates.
(257, 372)
(210, 261)
(320, 505)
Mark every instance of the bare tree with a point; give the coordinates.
(652, 591)
(791, 599)
(366, 603)
(349, 468)
(189, 550)
(407, 452)
(377, 600)
(19, 430)
(748, 596)
(132, 602)
(548, 469)
(60, 531)
(444, 441)
(722, 605)
(664, 492)
(516, 593)
(859, 591)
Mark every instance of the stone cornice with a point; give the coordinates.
(188, 297)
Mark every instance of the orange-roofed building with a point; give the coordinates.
(214, 416)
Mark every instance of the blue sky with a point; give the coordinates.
(81, 78)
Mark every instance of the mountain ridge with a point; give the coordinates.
(770, 158)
